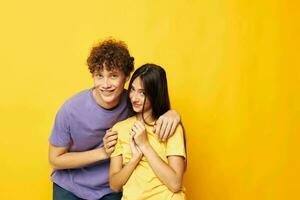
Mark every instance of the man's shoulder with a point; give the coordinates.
(77, 100)
(79, 97)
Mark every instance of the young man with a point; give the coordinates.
(76, 152)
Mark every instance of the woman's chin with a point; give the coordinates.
(137, 110)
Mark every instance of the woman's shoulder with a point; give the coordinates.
(124, 124)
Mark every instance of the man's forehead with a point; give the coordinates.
(109, 70)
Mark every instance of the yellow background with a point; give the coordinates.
(233, 69)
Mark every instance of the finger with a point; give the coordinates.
(131, 133)
(140, 122)
(136, 124)
(112, 137)
(109, 133)
(140, 126)
(138, 149)
(167, 132)
(163, 129)
(134, 129)
(131, 142)
(154, 128)
(173, 128)
(158, 126)
(110, 150)
(111, 143)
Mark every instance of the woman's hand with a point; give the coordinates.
(136, 152)
(139, 133)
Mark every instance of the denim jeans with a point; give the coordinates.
(60, 193)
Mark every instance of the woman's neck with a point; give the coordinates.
(146, 117)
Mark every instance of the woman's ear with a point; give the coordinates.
(127, 78)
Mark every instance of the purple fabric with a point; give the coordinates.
(81, 124)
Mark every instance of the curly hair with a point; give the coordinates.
(111, 54)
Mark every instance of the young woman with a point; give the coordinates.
(142, 165)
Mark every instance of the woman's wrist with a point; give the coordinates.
(145, 147)
(135, 160)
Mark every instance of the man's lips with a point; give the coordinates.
(107, 92)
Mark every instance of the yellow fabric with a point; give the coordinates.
(143, 183)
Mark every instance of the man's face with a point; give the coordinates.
(108, 87)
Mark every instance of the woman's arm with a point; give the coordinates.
(60, 158)
(118, 175)
(171, 173)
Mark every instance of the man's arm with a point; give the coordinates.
(109, 141)
(166, 124)
(60, 158)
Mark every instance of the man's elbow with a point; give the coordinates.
(54, 163)
(115, 188)
(176, 187)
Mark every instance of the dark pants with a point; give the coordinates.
(60, 193)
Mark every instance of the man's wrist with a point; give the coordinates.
(102, 154)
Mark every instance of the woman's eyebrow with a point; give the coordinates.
(140, 89)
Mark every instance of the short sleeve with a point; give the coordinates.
(176, 143)
(118, 148)
(60, 135)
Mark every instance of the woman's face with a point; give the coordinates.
(137, 97)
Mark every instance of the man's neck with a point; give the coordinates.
(100, 102)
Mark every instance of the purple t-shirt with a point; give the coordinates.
(81, 124)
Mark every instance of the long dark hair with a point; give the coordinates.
(155, 86)
(156, 90)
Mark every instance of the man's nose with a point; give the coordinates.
(106, 82)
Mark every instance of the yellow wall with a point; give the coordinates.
(234, 75)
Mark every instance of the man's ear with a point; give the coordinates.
(127, 78)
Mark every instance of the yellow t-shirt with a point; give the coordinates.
(143, 183)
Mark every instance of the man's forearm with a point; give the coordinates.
(71, 160)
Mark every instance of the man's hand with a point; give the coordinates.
(109, 141)
(166, 124)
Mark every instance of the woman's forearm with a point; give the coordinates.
(119, 179)
(165, 173)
